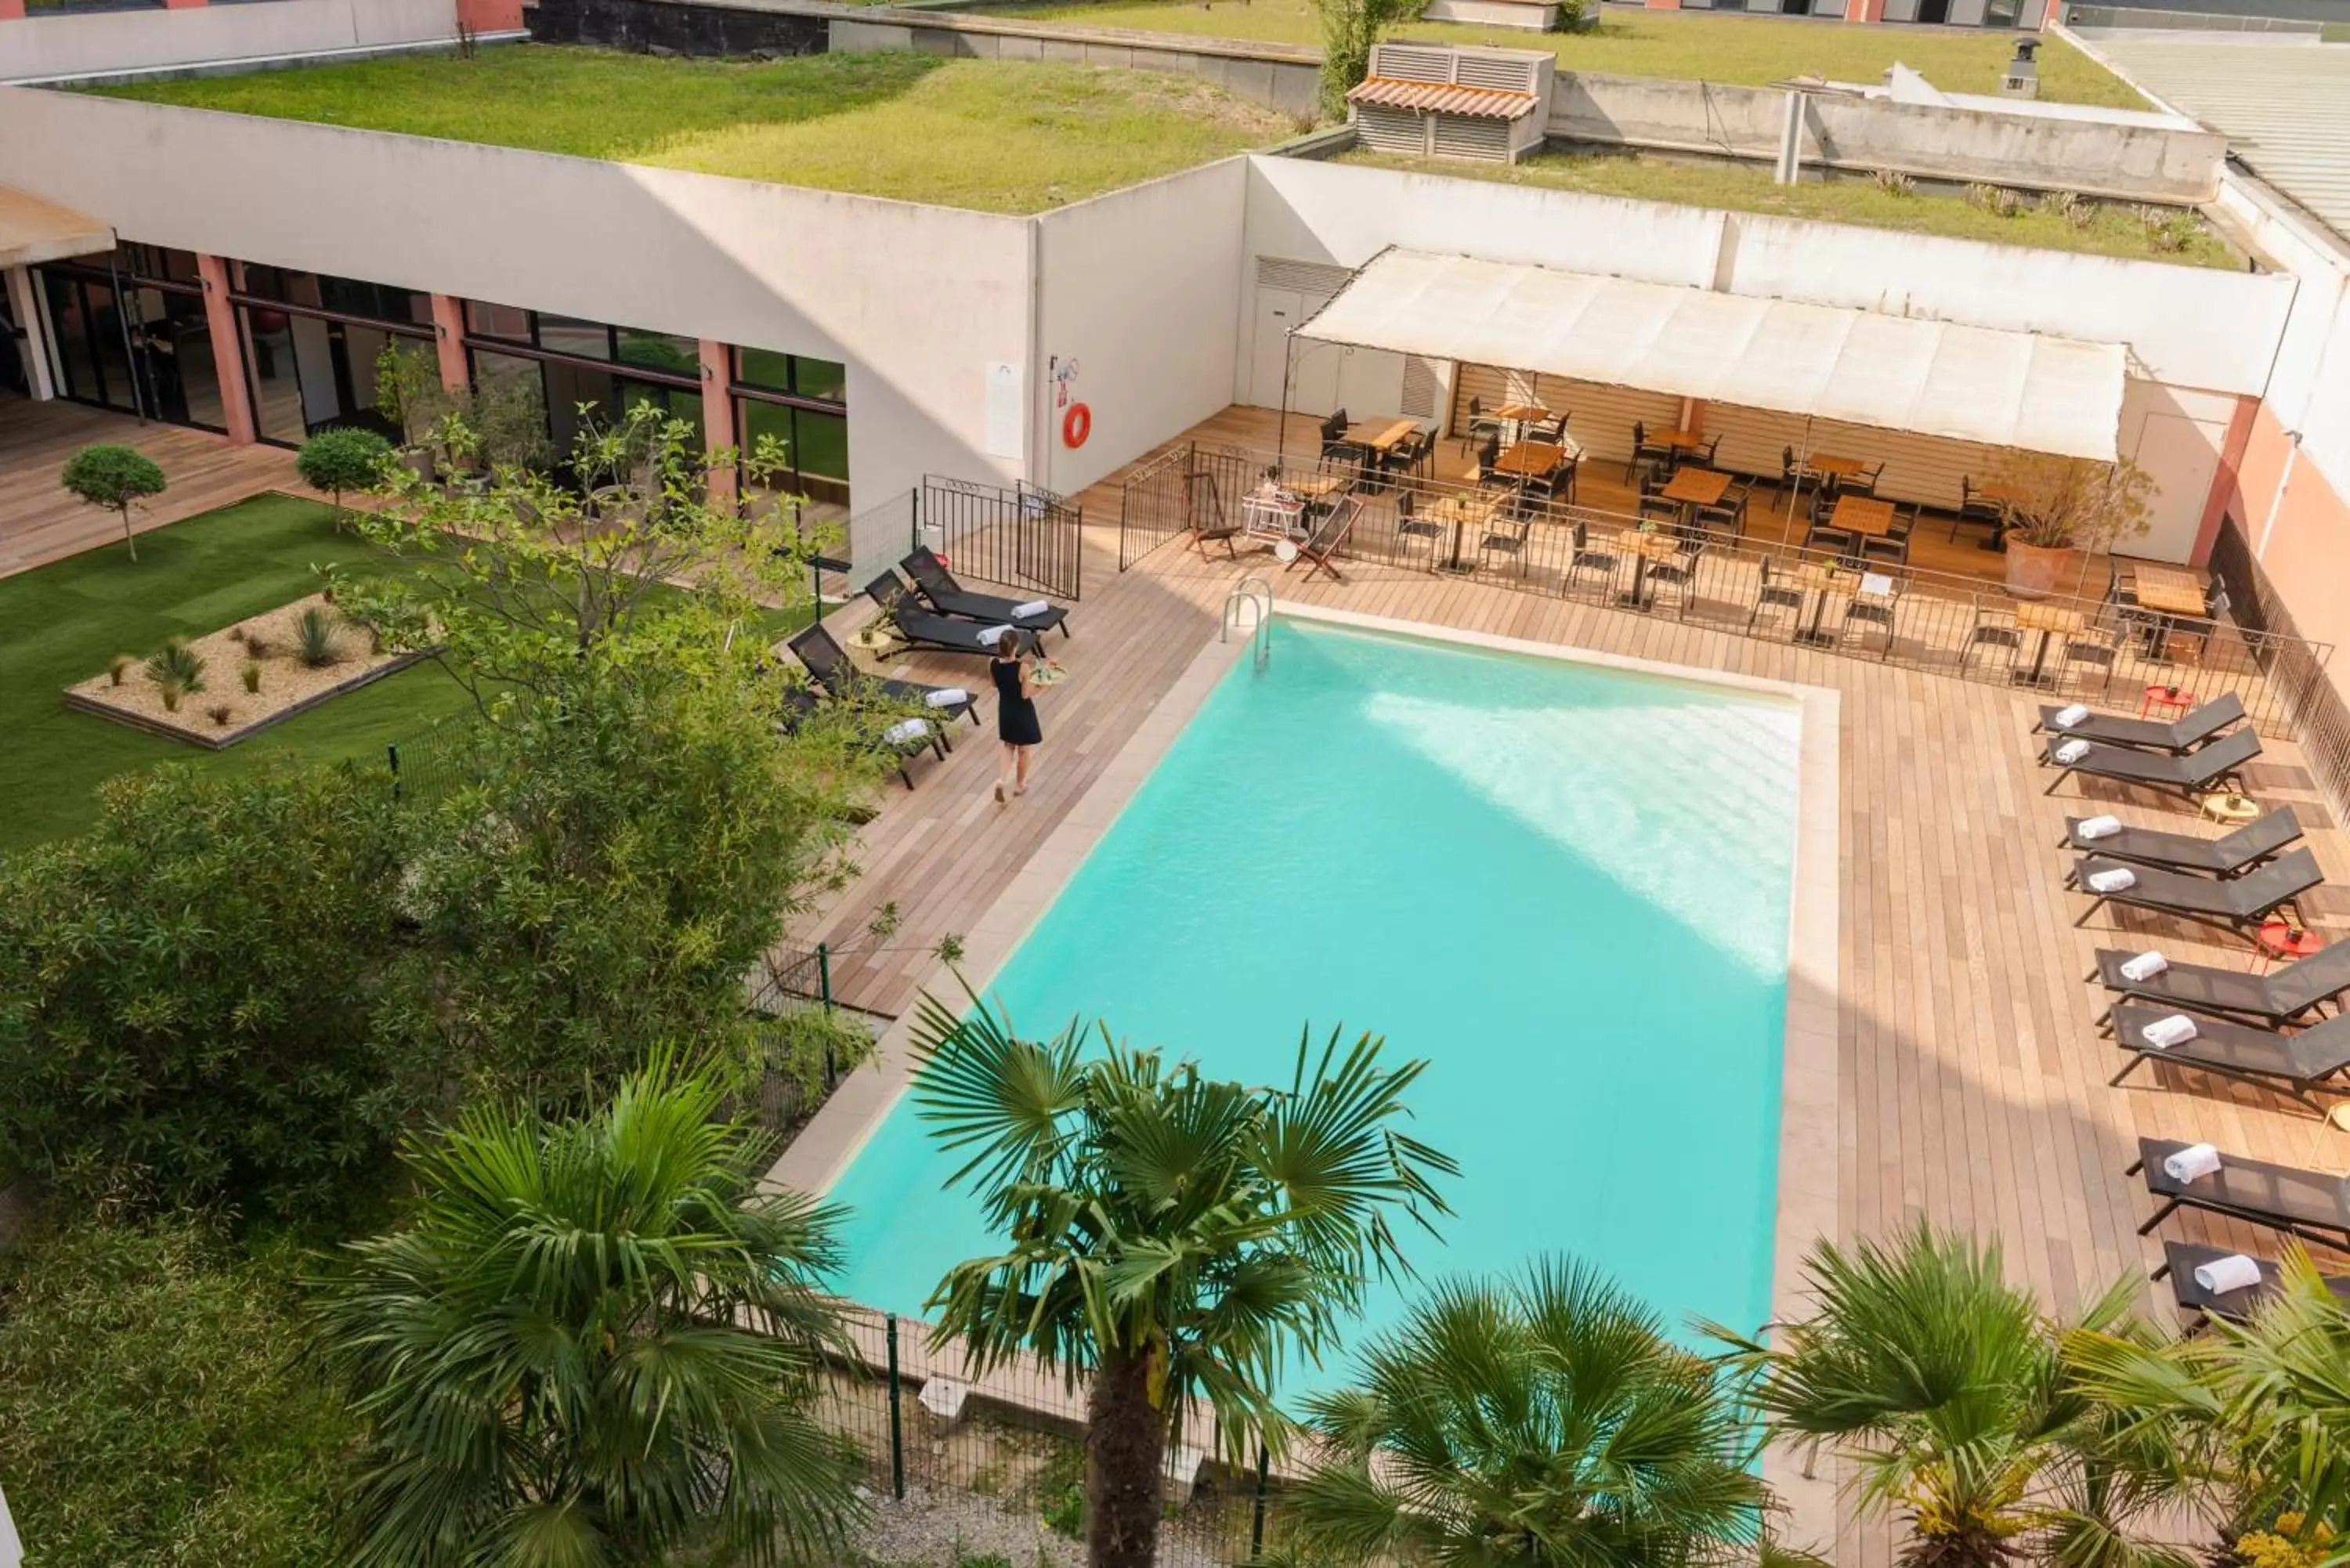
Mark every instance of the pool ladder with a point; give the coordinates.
(1254, 594)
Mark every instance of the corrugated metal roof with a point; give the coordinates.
(2284, 108)
(1443, 98)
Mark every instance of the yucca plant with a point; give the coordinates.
(120, 666)
(251, 674)
(178, 664)
(171, 691)
(314, 638)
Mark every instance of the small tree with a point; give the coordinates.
(2075, 504)
(114, 477)
(1349, 28)
(347, 457)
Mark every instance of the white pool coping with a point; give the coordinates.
(1810, 1145)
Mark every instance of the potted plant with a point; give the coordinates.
(2063, 508)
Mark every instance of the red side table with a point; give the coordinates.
(2169, 701)
(2283, 938)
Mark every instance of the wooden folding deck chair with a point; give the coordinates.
(1328, 536)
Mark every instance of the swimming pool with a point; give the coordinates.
(1565, 886)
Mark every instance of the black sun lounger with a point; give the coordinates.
(2293, 1063)
(939, 588)
(924, 628)
(2188, 776)
(2281, 996)
(2182, 1258)
(2309, 1204)
(2239, 906)
(2182, 735)
(2229, 855)
(830, 664)
(800, 705)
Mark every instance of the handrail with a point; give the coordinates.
(1255, 592)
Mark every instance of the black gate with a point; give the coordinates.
(1022, 537)
(1190, 488)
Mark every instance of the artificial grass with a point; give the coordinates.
(61, 623)
(2115, 230)
(1751, 51)
(1000, 136)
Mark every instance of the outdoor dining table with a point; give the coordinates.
(1820, 466)
(1381, 435)
(1824, 581)
(2047, 620)
(1862, 514)
(1676, 438)
(1519, 415)
(2174, 593)
(1530, 460)
(1461, 511)
(1696, 487)
(1643, 548)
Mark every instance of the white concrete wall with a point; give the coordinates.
(1139, 291)
(2179, 438)
(916, 301)
(2310, 389)
(46, 45)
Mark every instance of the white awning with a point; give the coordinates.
(1969, 383)
(32, 230)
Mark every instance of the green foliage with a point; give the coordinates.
(114, 477)
(1349, 28)
(347, 457)
(1541, 1419)
(177, 665)
(156, 1406)
(806, 1043)
(116, 667)
(408, 388)
(315, 641)
(1176, 1235)
(250, 673)
(184, 995)
(592, 1342)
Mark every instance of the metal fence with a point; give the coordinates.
(1022, 537)
(2092, 646)
(427, 765)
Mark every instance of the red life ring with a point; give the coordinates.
(1075, 425)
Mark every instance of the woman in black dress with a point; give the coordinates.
(1015, 712)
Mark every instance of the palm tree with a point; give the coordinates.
(1949, 1392)
(2263, 1405)
(591, 1343)
(1544, 1419)
(1168, 1236)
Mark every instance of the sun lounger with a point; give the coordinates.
(2215, 765)
(2183, 734)
(800, 705)
(2309, 1204)
(1315, 552)
(2239, 906)
(2229, 855)
(924, 628)
(2279, 997)
(2182, 1258)
(2294, 1064)
(945, 595)
(830, 664)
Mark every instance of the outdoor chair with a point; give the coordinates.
(1481, 427)
(2121, 587)
(1645, 451)
(1315, 553)
(1788, 596)
(901, 741)
(1665, 513)
(924, 629)
(1680, 575)
(1582, 557)
(1893, 544)
(2295, 1064)
(1208, 522)
(1727, 515)
(1875, 605)
(2309, 1204)
(1408, 455)
(1411, 526)
(1552, 430)
(2101, 651)
(1792, 476)
(2241, 906)
(1995, 626)
(2182, 1258)
(830, 664)
(2185, 733)
(1335, 447)
(1508, 541)
(1861, 484)
(2281, 996)
(2229, 855)
(1701, 455)
(1977, 509)
(1487, 477)
(937, 587)
(1560, 484)
(2197, 772)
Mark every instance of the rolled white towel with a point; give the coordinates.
(2070, 751)
(2118, 879)
(947, 697)
(2145, 967)
(989, 636)
(906, 732)
(2097, 827)
(2192, 1163)
(2066, 718)
(1032, 608)
(2164, 1033)
(2233, 1273)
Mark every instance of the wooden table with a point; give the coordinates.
(1829, 464)
(1461, 511)
(2175, 594)
(1825, 582)
(1676, 438)
(1318, 486)
(1380, 434)
(1530, 460)
(1697, 486)
(1862, 514)
(2047, 620)
(1520, 412)
(1643, 548)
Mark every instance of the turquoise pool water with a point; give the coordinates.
(1565, 887)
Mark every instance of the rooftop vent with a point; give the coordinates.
(1491, 104)
(2023, 77)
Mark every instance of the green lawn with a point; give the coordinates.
(1754, 51)
(997, 136)
(61, 623)
(2116, 230)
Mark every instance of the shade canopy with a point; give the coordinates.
(32, 230)
(1969, 383)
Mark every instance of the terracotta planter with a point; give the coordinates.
(2033, 571)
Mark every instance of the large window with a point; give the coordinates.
(312, 342)
(128, 332)
(587, 370)
(803, 403)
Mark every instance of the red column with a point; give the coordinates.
(181, 5)
(12, 10)
(1864, 10)
(718, 412)
(449, 339)
(228, 350)
(2225, 480)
